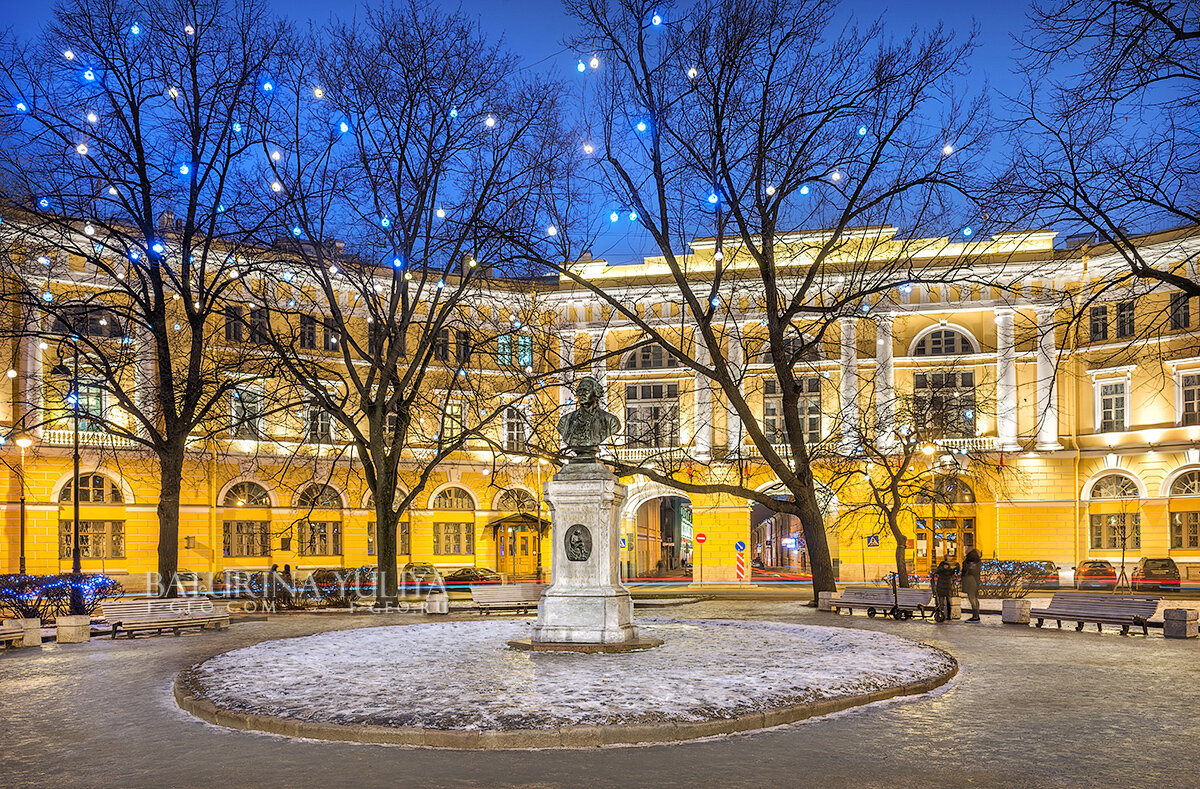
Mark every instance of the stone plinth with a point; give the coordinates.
(73, 629)
(1015, 612)
(585, 602)
(32, 629)
(437, 603)
(823, 601)
(1181, 623)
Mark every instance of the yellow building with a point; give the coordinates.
(1090, 426)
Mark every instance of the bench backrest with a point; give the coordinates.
(867, 594)
(507, 593)
(1117, 604)
(154, 607)
(913, 597)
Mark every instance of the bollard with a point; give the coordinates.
(73, 629)
(1180, 623)
(823, 599)
(437, 603)
(32, 629)
(1015, 612)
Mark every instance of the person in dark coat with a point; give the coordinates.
(943, 585)
(971, 569)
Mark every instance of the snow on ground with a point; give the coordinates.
(461, 675)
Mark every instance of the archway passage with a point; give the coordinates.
(778, 551)
(662, 537)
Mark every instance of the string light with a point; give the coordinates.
(594, 62)
(276, 186)
(220, 208)
(158, 248)
(22, 107)
(397, 263)
(88, 230)
(12, 373)
(656, 20)
(441, 213)
(268, 86)
(587, 148)
(453, 112)
(552, 231)
(287, 276)
(43, 203)
(333, 269)
(441, 284)
(237, 128)
(45, 261)
(641, 126)
(318, 93)
(713, 198)
(112, 190)
(135, 30)
(770, 191)
(862, 131)
(385, 222)
(692, 73)
(836, 175)
(968, 232)
(490, 122)
(191, 31)
(89, 75)
(718, 256)
(134, 255)
(69, 55)
(47, 297)
(296, 231)
(614, 216)
(81, 149)
(93, 117)
(184, 169)
(804, 189)
(343, 127)
(947, 149)
(633, 215)
(581, 67)
(173, 93)
(408, 276)
(276, 156)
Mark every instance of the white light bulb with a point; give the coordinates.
(93, 117)
(69, 55)
(408, 275)
(836, 176)
(81, 149)
(89, 75)
(12, 373)
(184, 169)
(552, 231)
(43, 346)
(318, 93)
(614, 216)
(441, 213)
(191, 31)
(633, 215)
(333, 269)
(233, 274)
(490, 122)
(135, 30)
(656, 19)
(641, 126)
(947, 149)
(88, 230)
(276, 187)
(343, 127)
(276, 156)
(587, 148)
(719, 256)
(112, 190)
(770, 191)
(594, 62)
(173, 93)
(693, 73)
(581, 67)
(804, 189)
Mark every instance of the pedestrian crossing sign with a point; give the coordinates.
(873, 541)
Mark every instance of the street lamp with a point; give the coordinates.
(24, 442)
(60, 370)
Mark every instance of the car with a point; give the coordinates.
(757, 563)
(237, 583)
(1049, 578)
(419, 577)
(1095, 574)
(190, 584)
(473, 575)
(1155, 575)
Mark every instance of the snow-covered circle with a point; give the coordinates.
(461, 677)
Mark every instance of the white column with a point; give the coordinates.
(885, 382)
(733, 420)
(1047, 394)
(849, 385)
(566, 353)
(702, 416)
(1006, 380)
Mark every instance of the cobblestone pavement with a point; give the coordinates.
(1029, 708)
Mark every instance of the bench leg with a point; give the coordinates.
(1059, 624)
(1124, 630)
(1039, 623)
(1099, 628)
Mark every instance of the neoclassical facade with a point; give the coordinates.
(1077, 390)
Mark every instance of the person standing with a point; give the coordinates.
(943, 585)
(972, 568)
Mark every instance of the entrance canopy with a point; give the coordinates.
(521, 521)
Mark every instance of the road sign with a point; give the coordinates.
(622, 543)
(739, 546)
(741, 566)
(873, 541)
(700, 538)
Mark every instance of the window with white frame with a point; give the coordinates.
(944, 403)
(516, 428)
(944, 342)
(1098, 323)
(318, 428)
(1113, 402)
(94, 489)
(1185, 514)
(652, 415)
(1117, 530)
(454, 420)
(97, 539)
(246, 411)
(808, 404)
(90, 403)
(1189, 398)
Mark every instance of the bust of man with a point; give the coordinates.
(589, 425)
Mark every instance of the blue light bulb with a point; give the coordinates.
(296, 232)
(135, 30)
(157, 248)
(397, 263)
(862, 131)
(221, 208)
(184, 169)
(716, 301)
(134, 255)
(614, 216)
(804, 189)
(268, 86)
(712, 198)
(22, 107)
(89, 75)
(343, 127)
(968, 232)
(441, 284)
(656, 19)
(47, 296)
(287, 276)
(385, 222)
(237, 128)
(633, 215)
(453, 112)
(582, 67)
(43, 203)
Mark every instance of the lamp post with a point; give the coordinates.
(24, 442)
(61, 370)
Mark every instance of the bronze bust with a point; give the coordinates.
(589, 425)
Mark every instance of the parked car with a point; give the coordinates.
(237, 583)
(1095, 574)
(757, 563)
(473, 575)
(1049, 579)
(419, 577)
(191, 584)
(1155, 575)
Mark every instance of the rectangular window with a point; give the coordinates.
(944, 403)
(453, 420)
(246, 412)
(259, 325)
(462, 346)
(1098, 323)
(808, 404)
(332, 336)
(1125, 319)
(504, 350)
(516, 429)
(1112, 407)
(524, 351)
(401, 538)
(376, 334)
(247, 538)
(1112, 532)
(90, 404)
(97, 539)
(1180, 311)
(441, 346)
(453, 539)
(319, 428)
(1190, 398)
(308, 332)
(320, 538)
(1185, 529)
(652, 415)
(234, 323)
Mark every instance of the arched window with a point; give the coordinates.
(247, 494)
(516, 501)
(650, 357)
(943, 342)
(453, 499)
(94, 489)
(1186, 484)
(1114, 486)
(319, 497)
(947, 490)
(87, 320)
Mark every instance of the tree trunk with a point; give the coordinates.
(901, 550)
(387, 572)
(170, 465)
(816, 541)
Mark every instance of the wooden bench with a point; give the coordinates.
(512, 597)
(1121, 610)
(879, 599)
(158, 615)
(11, 637)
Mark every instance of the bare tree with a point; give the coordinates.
(1104, 138)
(417, 143)
(135, 222)
(731, 129)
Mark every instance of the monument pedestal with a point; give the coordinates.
(585, 602)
